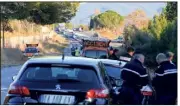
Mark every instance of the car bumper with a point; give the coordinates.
(29, 101)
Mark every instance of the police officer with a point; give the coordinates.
(134, 77)
(127, 57)
(77, 52)
(114, 55)
(165, 82)
(170, 56)
(73, 51)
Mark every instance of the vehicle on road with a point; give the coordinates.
(120, 39)
(95, 48)
(113, 69)
(60, 80)
(30, 50)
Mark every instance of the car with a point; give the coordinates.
(113, 69)
(60, 80)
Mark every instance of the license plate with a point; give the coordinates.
(57, 99)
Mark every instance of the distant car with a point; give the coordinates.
(120, 39)
(30, 52)
(60, 80)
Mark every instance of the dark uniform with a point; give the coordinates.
(73, 51)
(165, 84)
(134, 76)
(113, 57)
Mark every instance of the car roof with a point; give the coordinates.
(67, 60)
(113, 62)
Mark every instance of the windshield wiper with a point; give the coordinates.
(68, 80)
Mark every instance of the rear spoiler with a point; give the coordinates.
(31, 45)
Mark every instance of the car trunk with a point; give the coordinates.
(57, 93)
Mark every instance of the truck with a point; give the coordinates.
(30, 50)
(95, 48)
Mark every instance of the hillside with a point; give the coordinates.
(15, 41)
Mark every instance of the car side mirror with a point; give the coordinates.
(14, 77)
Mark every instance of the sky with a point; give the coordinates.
(86, 9)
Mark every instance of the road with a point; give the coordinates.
(8, 72)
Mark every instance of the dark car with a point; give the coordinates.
(60, 80)
(113, 69)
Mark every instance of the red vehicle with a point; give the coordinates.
(95, 49)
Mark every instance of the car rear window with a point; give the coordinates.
(95, 53)
(31, 50)
(60, 73)
(91, 54)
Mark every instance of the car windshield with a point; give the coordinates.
(113, 71)
(95, 53)
(31, 50)
(60, 73)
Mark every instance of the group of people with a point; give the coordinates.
(134, 76)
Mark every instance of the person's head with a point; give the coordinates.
(115, 51)
(161, 57)
(139, 57)
(130, 51)
(170, 55)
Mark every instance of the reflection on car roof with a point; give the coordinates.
(113, 62)
(67, 60)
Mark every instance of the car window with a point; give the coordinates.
(42, 72)
(95, 53)
(31, 50)
(102, 53)
(91, 53)
(113, 71)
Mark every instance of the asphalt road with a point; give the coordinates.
(8, 72)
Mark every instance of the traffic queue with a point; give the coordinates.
(94, 77)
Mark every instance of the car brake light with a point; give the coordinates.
(102, 93)
(145, 93)
(21, 90)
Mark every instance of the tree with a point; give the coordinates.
(109, 19)
(40, 12)
(171, 11)
(157, 25)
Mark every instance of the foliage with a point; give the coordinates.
(159, 37)
(157, 25)
(40, 12)
(109, 19)
(171, 11)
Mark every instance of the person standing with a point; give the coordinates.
(170, 56)
(77, 52)
(114, 55)
(165, 81)
(134, 78)
(73, 51)
(127, 57)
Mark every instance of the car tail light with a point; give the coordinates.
(21, 90)
(102, 93)
(146, 93)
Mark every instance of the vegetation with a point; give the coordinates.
(160, 36)
(109, 19)
(39, 12)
